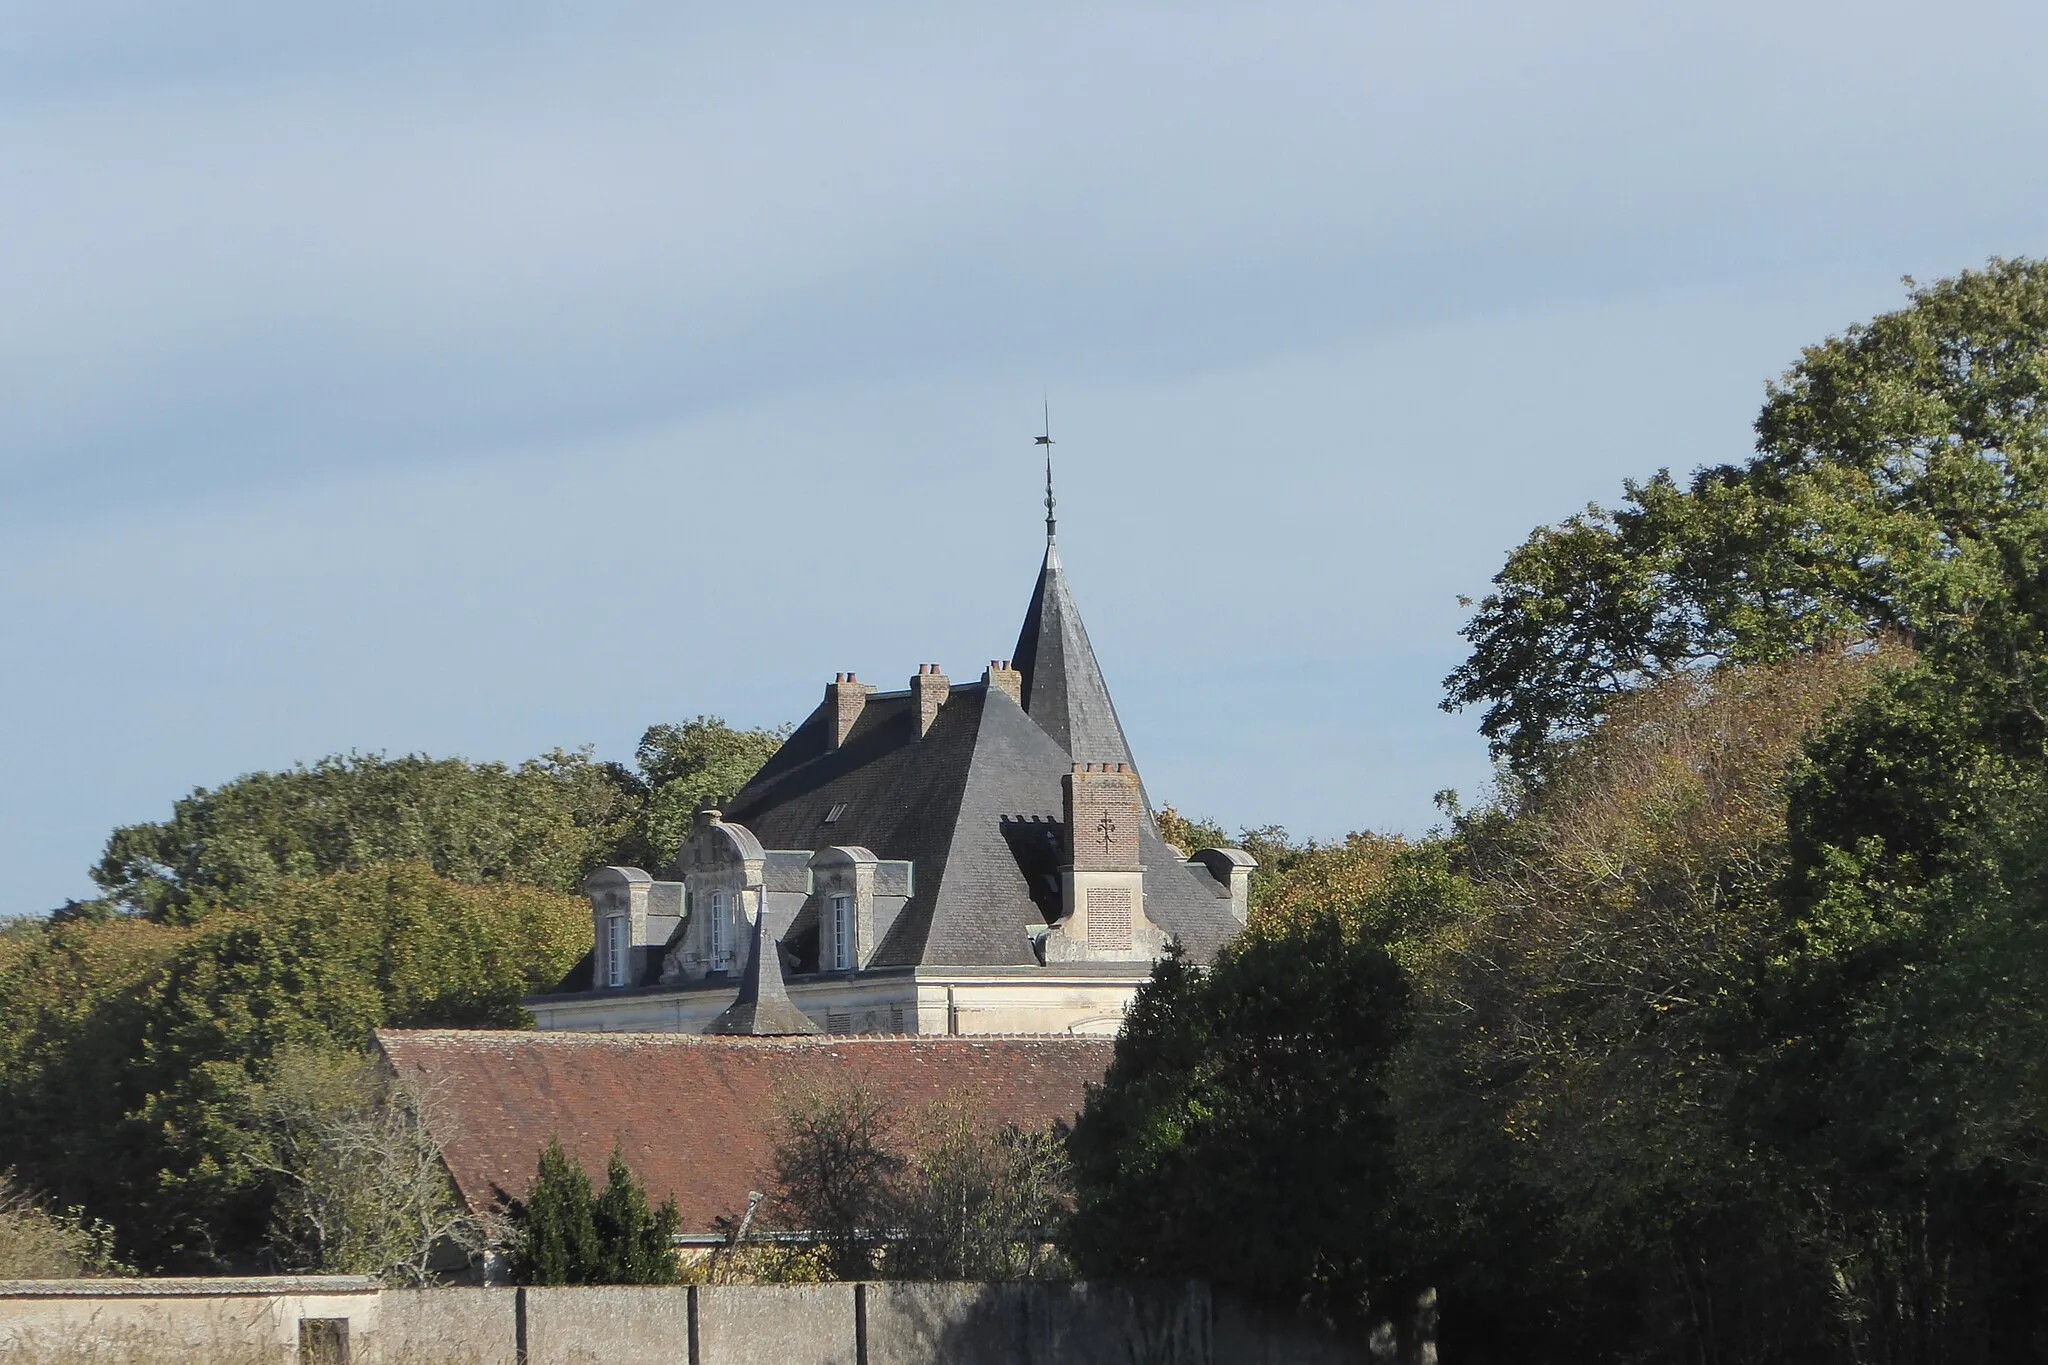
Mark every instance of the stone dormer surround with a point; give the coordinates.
(850, 872)
(617, 893)
(723, 868)
(650, 911)
(724, 859)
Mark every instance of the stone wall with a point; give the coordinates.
(256, 1322)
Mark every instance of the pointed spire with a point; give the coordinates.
(1063, 687)
(763, 1008)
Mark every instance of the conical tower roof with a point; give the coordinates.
(763, 1008)
(1063, 687)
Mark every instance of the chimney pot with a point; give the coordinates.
(1005, 679)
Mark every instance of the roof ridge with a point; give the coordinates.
(568, 1038)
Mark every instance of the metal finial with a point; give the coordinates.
(1046, 441)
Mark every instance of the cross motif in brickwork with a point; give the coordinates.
(1107, 827)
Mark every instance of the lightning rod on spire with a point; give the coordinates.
(1046, 441)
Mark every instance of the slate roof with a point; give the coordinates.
(975, 805)
(691, 1113)
(1063, 687)
(763, 1006)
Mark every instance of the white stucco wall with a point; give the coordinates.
(966, 1001)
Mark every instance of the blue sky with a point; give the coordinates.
(480, 378)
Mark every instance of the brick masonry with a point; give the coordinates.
(1104, 816)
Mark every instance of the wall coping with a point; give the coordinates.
(171, 1287)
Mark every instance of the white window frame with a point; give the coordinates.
(842, 933)
(617, 950)
(721, 936)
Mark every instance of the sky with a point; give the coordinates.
(479, 378)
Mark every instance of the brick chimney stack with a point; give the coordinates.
(1002, 678)
(930, 690)
(1104, 813)
(845, 699)
(1102, 899)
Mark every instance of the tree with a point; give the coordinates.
(566, 1235)
(545, 823)
(837, 1170)
(685, 767)
(1189, 835)
(979, 1201)
(362, 1186)
(1900, 485)
(1900, 1031)
(633, 1239)
(135, 1054)
(1573, 1178)
(1242, 1133)
(557, 1224)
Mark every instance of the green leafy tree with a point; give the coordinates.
(135, 1053)
(1900, 1031)
(567, 1235)
(1189, 835)
(1900, 485)
(1574, 1178)
(1740, 1054)
(1243, 1134)
(685, 767)
(545, 822)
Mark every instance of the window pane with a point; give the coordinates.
(615, 950)
(842, 933)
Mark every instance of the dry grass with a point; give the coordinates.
(133, 1346)
(36, 1244)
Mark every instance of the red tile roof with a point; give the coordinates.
(692, 1114)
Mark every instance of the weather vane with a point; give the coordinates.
(1046, 441)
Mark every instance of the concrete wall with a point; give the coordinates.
(256, 1323)
(613, 1324)
(1039, 1324)
(450, 1327)
(143, 1322)
(774, 1324)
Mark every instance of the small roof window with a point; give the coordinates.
(838, 809)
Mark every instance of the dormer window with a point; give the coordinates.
(842, 934)
(616, 950)
(721, 937)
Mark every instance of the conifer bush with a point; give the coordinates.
(569, 1235)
